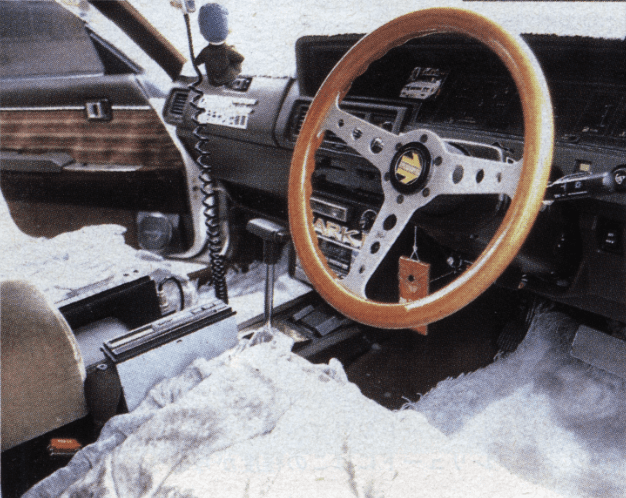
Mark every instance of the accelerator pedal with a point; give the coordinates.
(511, 336)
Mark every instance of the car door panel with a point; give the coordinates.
(122, 160)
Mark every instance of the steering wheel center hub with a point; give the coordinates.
(410, 168)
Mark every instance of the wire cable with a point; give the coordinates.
(209, 201)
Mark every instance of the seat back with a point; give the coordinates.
(42, 371)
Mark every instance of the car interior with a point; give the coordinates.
(415, 209)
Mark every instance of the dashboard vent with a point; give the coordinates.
(298, 121)
(330, 141)
(386, 117)
(178, 101)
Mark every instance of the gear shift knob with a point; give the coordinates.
(274, 236)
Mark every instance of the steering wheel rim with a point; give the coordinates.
(525, 204)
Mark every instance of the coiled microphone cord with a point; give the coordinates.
(209, 201)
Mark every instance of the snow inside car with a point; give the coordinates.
(371, 265)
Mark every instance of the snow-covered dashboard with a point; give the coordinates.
(458, 88)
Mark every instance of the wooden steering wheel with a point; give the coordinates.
(436, 171)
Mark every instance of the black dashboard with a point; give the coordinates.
(464, 84)
(459, 89)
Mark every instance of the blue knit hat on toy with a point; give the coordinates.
(213, 21)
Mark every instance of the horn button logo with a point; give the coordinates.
(410, 168)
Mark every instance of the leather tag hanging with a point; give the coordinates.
(413, 278)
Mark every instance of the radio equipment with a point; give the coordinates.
(341, 229)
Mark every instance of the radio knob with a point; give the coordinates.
(367, 220)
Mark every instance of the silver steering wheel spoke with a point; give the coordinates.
(463, 175)
(373, 143)
(387, 227)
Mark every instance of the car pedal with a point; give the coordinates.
(511, 336)
(600, 350)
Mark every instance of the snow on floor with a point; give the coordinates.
(93, 254)
(246, 291)
(537, 412)
(72, 260)
(541, 413)
(261, 421)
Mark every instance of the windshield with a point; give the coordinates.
(265, 31)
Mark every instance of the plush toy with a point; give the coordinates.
(222, 62)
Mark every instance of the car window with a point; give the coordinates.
(43, 39)
(265, 31)
(114, 61)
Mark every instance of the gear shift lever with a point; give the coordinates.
(274, 236)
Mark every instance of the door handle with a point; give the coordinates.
(98, 110)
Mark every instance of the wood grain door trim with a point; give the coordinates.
(132, 137)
